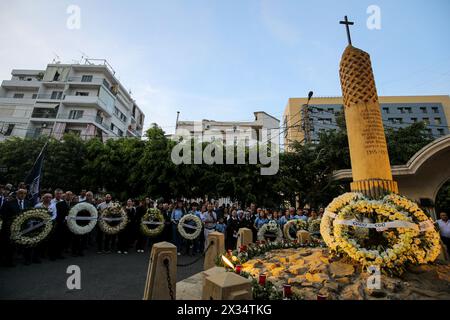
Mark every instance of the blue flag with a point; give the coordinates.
(33, 180)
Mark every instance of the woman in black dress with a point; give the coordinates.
(232, 230)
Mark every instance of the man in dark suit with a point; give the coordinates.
(61, 237)
(9, 211)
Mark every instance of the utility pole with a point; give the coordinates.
(176, 124)
(306, 122)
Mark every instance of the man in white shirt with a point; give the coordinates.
(58, 197)
(444, 229)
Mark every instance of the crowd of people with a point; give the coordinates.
(227, 219)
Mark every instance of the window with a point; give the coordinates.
(56, 95)
(435, 109)
(134, 110)
(423, 109)
(391, 120)
(86, 78)
(386, 110)
(112, 127)
(437, 120)
(18, 95)
(9, 129)
(401, 110)
(34, 96)
(120, 132)
(106, 84)
(76, 114)
(441, 132)
(414, 120)
(44, 113)
(82, 94)
(426, 120)
(408, 109)
(22, 78)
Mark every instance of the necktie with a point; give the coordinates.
(21, 204)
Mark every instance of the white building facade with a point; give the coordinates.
(249, 132)
(85, 99)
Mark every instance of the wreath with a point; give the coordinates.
(398, 231)
(270, 230)
(31, 227)
(190, 226)
(78, 213)
(113, 219)
(153, 217)
(314, 226)
(298, 224)
(326, 223)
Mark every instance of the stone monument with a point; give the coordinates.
(368, 150)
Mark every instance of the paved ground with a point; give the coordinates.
(103, 276)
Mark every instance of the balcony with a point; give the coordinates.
(44, 113)
(48, 96)
(16, 101)
(88, 101)
(20, 84)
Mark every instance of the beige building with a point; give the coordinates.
(397, 112)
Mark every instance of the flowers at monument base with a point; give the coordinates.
(191, 222)
(296, 224)
(28, 219)
(72, 217)
(152, 223)
(399, 231)
(271, 229)
(109, 218)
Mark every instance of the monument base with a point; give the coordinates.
(374, 188)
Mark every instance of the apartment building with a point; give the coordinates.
(85, 99)
(248, 132)
(397, 112)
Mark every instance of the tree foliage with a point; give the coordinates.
(130, 167)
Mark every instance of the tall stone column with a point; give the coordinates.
(368, 150)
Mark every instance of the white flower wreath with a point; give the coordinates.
(409, 234)
(113, 213)
(271, 227)
(72, 218)
(26, 237)
(326, 224)
(182, 225)
(152, 217)
(298, 224)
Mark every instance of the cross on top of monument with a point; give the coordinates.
(347, 24)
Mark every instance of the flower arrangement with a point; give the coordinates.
(73, 217)
(272, 228)
(191, 222)
(153, 217)
(314, 226)
(32, 235)
(297, 224)
(114, 214)
(399, 231)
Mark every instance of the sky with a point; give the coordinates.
(225, 59)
